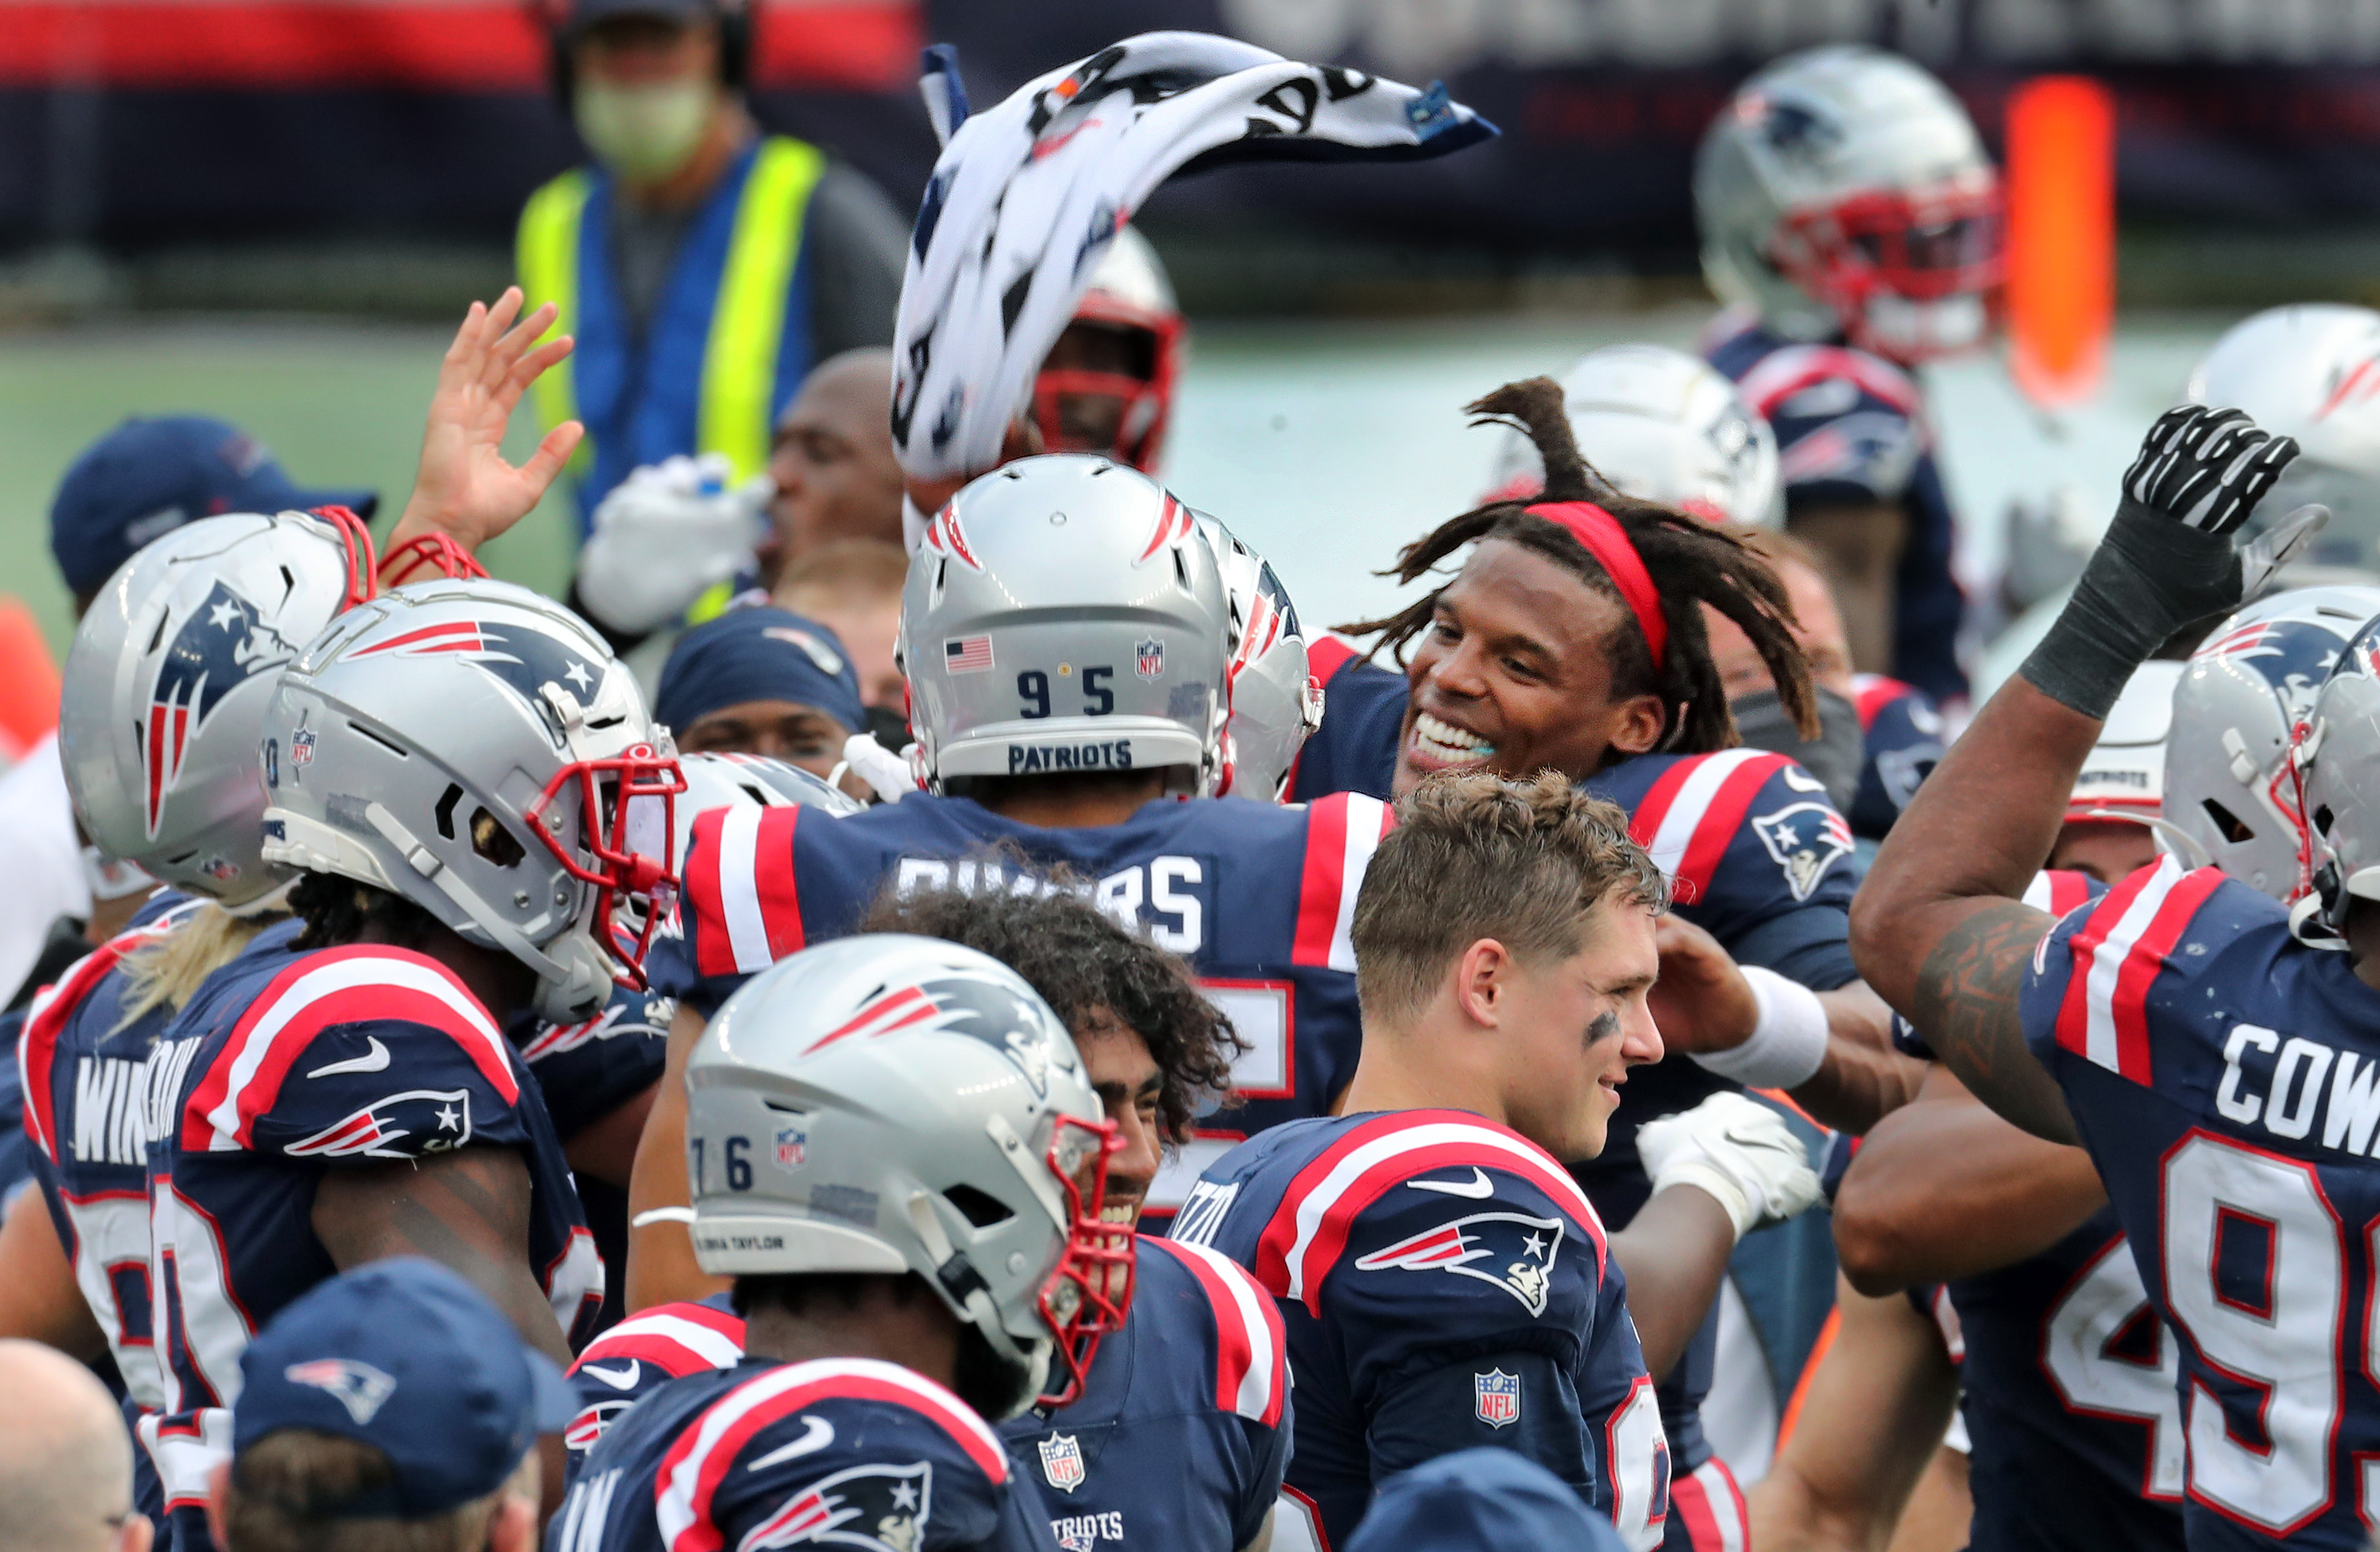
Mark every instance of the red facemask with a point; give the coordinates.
(1090, 1292)
(604, 856)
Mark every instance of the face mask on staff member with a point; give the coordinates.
(647, 92)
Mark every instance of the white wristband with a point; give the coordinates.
(1789, 1044)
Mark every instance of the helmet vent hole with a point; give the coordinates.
(155, 637)
(362, 732)
(446, 810)
(1181, 569)
(490, 839)
(608, 721)
(288, 582)
(2321, 818)
(980, 1208)
(2227, 821)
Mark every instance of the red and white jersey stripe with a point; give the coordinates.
(2118, 954)
(678, 1339)
(1341, 833)
(740, 885)
(1252, 1366)
(1309, 1229)
(1327, 654)
(1782, 373)
(1710, 1508)
(690, 1473)
(2057, 890)
(323, 988)
(52, 1005)
(1694, 811)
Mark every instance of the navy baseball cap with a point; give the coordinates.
(405, 1355)
(758, 652)
(149, 477)
(1481, 1500)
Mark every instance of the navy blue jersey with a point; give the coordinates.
(1901, 735)
(2072, 1418)
(310, 1061)
(2226, 1080)
(1181, 1435)
(585, 1070)
(1363, 715)
(1443, 1283)
(1258, 897)
(848, 1452)
(1852, 430)
(638, 1356)
(97, 1087)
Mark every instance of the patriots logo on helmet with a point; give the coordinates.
(358, 1387)
(1796, 129)
(1803, 839)
(440, 1118)
(982, 1010)
(882, 1509)
(221, 645)
(1513, 1250)
(525, 659)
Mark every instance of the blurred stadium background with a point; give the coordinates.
(272, 210)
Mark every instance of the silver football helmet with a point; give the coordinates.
(2336, 757)
(1276, 702)
(893, 1104)
(718, 781)
(1663, 427)
(476, 750)
(2123, 776)
(166, 684)
(2229, 789)
(1842, 190)
(2312, 371)
(1065, 614)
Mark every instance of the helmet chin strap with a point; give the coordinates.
(570, 987)
(958, 1281)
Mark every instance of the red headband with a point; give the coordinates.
(1604, 540)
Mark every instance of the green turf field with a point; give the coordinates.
(341, 403)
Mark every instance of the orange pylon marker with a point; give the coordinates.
(2061, 237)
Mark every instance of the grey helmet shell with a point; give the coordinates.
(166, 687)
(1276, 702)
(410, 745)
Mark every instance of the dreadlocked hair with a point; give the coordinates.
(1691, 562)
(1088, 969)
(338, 911)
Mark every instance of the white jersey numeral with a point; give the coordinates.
(2278, 1338)
(2103, 1303)
(1638, 1464)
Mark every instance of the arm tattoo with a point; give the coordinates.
(1967, 1010)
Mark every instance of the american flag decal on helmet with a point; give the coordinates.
(219, 647)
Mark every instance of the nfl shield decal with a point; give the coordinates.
(794, 1142)
(1498, 1395)
(1148, 657)
(1062, 1462)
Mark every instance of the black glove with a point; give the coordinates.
(2167, 560)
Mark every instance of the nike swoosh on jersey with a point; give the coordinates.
(818, 1433)
(372, 1060)
(1478, 1186)
(618, 1379)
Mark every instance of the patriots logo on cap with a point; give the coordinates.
(358, 1387)
(221, 645)
(981, 1010)
(1513, 1250)
(441, 1118)
(882, 1509)
(1803, 839)
(525, 660)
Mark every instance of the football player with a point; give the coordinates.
(1444, 1281)
(1067, 635)
(2211, 1064)
(899, 1161)
(1851, 219)
(1181, 1433)
(450, 770)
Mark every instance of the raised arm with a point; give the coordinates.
(660, 1252)
(1944, 1188)
(1937, 929)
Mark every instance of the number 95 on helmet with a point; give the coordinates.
(896, 1105)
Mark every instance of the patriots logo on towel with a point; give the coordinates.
(220, 646)
(1803, 839)
(360, 1388)
(1513, 1250)
(882, 1509)
(443, 1120)
(981, 1010)
(525, 660)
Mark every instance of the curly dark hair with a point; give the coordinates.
(1082, 963)
(338, 910)
(1691, 562)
